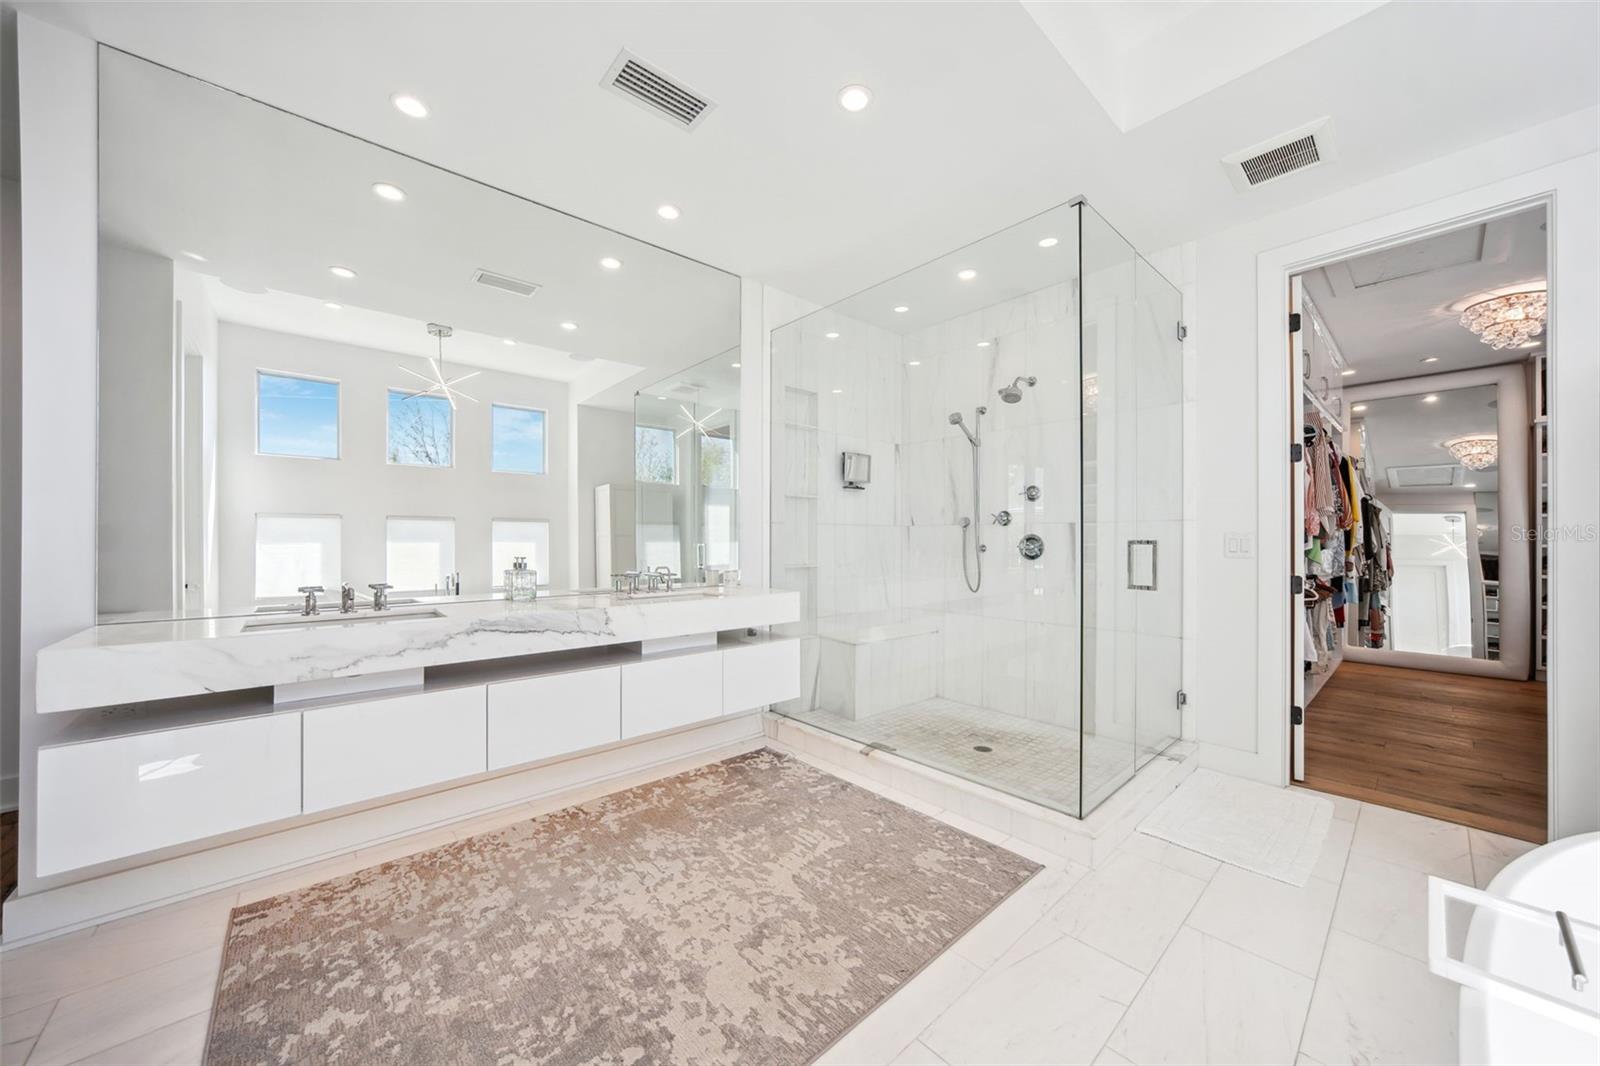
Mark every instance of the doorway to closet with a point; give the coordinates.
(1419, 487)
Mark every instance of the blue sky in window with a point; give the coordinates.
(297, 416)
(518, 440)
(420, 432)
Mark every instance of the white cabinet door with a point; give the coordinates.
(106, 799)
(361, 751)
(671, 691)
(754, 675)
(542, 717)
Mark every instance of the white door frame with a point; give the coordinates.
(1550, 187)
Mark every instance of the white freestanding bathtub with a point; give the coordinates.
(1556, 1024)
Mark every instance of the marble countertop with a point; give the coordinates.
(133, 662)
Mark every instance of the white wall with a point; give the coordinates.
(605, 451)
(56, 109)
(1240, 691)
(138, 420)
(362, 485)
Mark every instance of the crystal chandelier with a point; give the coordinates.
(1508, 321)
(1479, 451)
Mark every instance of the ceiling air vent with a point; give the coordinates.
(1280, 156)
(1432, 476)
(634, 80)
(504, 283)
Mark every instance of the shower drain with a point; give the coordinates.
(982, 747)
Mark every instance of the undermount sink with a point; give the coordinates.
(675, 594)
(305, 621)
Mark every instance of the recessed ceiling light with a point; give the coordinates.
(1359, 407)
(569, 326)
(902, 309)
(393, 193)
(1430, 398)
(407, 104)
(855, 97)
(985, 344)
(735, 365)
(1430, 359)
(914, 362)
(1469, 484)
(341, 272)
(580, 357)
(663, 399)
(330, 305)
(966, 275)
(831, 336)
(1347, 372)
(196, 256)
(611, 262)
(1049, 242)
(668, 212)
(837, 391)
(508, 342)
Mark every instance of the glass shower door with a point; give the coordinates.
(1133, 510)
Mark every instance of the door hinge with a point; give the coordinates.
(1183, 699)
(1297, 716)
(1183, 332)
(1297, 585)
(1294, 322)
(1296, 452)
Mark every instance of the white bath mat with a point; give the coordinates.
(1277, 832)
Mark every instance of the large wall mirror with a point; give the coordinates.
(326, 363)
(1445, 459)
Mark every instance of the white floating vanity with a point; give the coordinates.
(180, 733)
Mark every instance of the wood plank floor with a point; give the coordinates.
(1469, 750)
(8, 853)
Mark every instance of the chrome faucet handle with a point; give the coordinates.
(380, 595)
(347, 598)
(310, 593)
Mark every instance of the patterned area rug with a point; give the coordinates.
(751, 911)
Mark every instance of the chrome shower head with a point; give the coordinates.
(1012, 393)
(960, 423)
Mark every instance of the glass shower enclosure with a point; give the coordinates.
(978, 492)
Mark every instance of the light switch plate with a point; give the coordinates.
(1238, 545)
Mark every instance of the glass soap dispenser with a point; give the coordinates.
(522, 584)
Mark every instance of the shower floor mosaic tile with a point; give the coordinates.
(1032, 760)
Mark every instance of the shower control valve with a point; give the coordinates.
(1002, 518)
(1031, 492)
(1031, 546)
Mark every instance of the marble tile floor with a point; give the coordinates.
(1033, 760)
(1156, 955)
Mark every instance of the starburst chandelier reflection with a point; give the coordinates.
(438, 384)
(702, 424)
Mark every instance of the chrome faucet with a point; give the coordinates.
(380, 595)
(347, 598)
(310, 605)
(663, 576)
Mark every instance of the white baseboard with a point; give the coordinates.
(63, 909)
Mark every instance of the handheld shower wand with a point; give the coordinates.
(969, 525)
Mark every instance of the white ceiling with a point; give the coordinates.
(1144, 59)
(978, 120)
(1406, 431)
(1388, 310)
(272, 201)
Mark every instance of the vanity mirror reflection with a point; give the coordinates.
(323, 363)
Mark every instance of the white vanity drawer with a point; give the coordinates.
(671, 691)
(754, 675)
(106, 799)
(362, 751)
(542, 717)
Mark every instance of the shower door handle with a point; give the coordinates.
(1142, 565)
